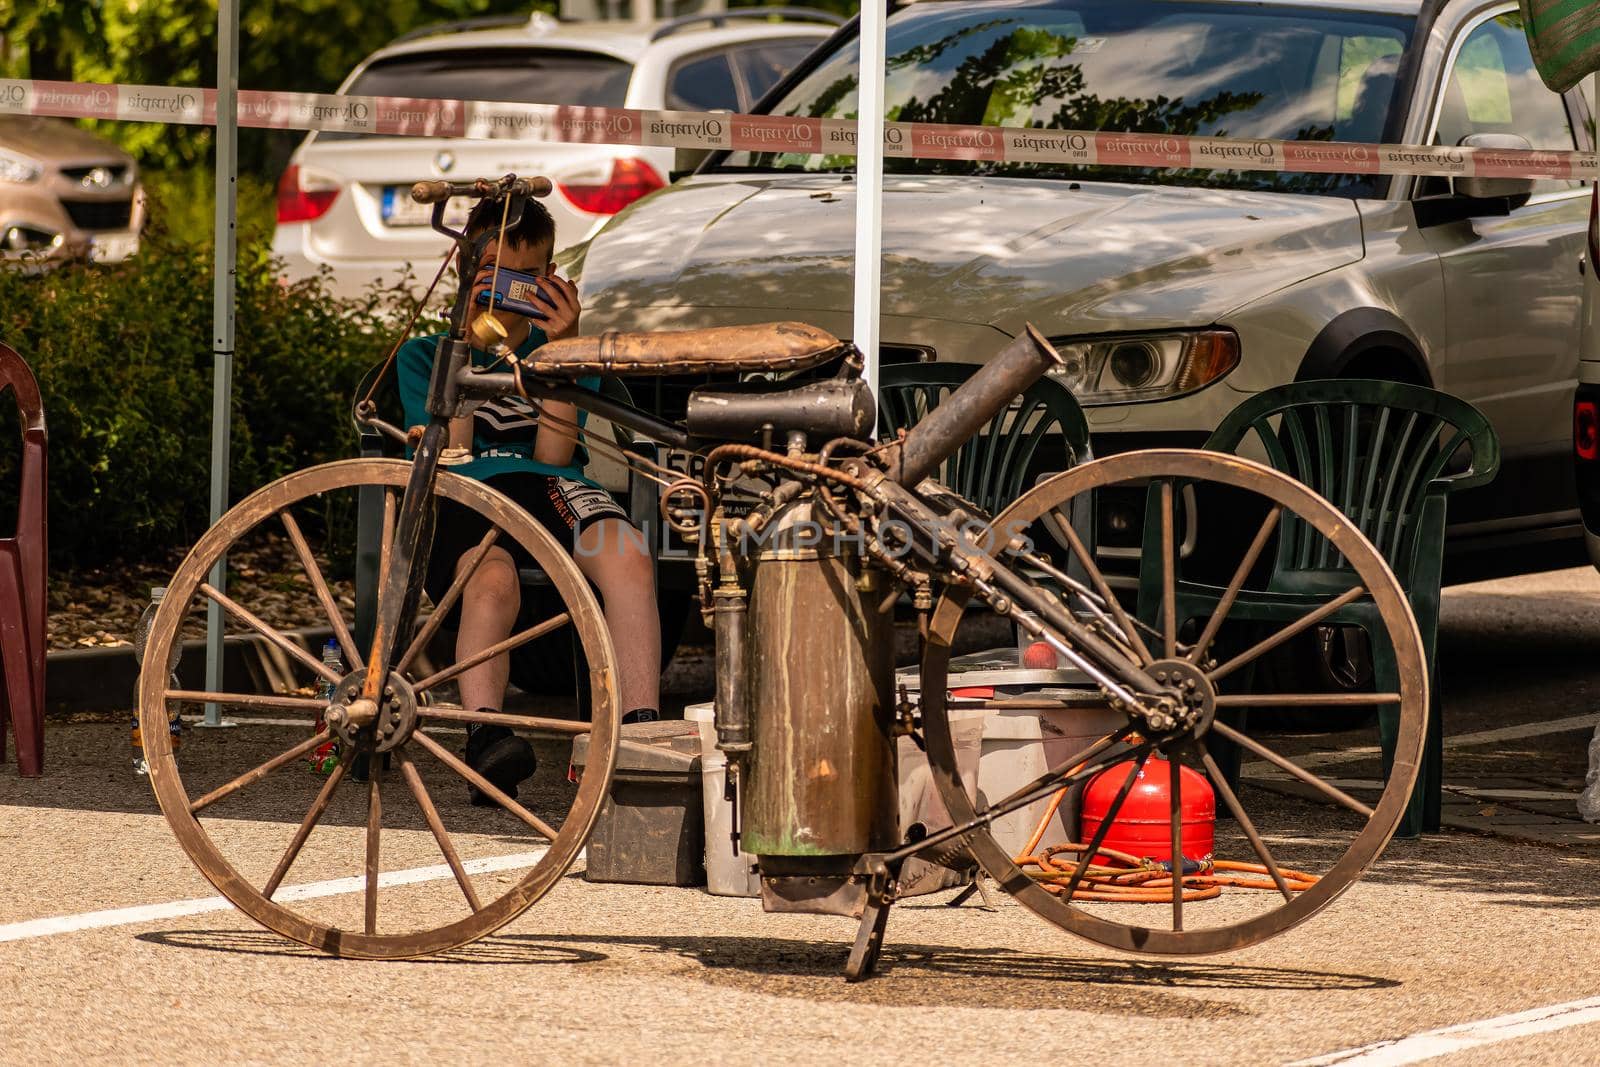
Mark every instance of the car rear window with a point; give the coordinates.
(519, 75)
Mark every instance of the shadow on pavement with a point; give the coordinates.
(909, 975)
(490, 950)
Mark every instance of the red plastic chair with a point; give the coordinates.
(22, 579)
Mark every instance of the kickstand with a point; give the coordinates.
(882, 882)
(979, 888)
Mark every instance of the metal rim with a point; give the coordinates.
(563, 847)
(1375, 575)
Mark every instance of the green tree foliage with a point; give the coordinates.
(123, 358)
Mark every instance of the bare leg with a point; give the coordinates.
(612, 555)
(489, 606)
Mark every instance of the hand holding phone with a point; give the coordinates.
(517, 292)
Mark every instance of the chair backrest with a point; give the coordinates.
(1378, 451)
(18, 386)
(991, 469)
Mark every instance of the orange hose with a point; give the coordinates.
(1128, 879)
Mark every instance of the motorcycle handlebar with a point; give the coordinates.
(434, 192)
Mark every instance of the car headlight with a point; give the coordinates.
(1121, 370)
(15, 168)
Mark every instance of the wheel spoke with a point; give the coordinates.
(532, 633)
(1305, 622)
(1236, 583)
(1105, 826)
(448, 758)
(448, 601)
(1221, 785)
(308, 563)
(256, 774)
(232, 607)
(413, 779)
(500, 718)
(1332, 792)
(374, 830)
(1086, 559)
(1305, 700)
(309, 823)
(1175, 795)
(1065, 769)
(265, 701)
(1169, 578)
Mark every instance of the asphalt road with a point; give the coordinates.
(1452, 930)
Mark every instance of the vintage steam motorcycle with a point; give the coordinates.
(807, 537)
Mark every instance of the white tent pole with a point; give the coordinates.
(227, 264)
(869, 186)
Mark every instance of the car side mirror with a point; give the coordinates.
(686, 161)
(1494, 188)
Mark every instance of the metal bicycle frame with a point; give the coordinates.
(454, 386)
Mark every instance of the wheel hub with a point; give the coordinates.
(380, 725)
(1191, 699)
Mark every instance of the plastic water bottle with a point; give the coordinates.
(1589, 799)
(141, 638)
(326, 756)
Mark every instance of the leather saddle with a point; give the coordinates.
(766, 346)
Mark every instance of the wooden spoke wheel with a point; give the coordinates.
(1214, 517)
(408, 736)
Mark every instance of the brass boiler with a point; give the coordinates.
(820, 788)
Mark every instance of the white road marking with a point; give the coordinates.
(93, 920)
(1442, 1042)
(1482, 737)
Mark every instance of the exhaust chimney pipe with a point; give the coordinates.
(967, 410)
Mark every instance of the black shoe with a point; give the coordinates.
(500, 756)
(641, 715)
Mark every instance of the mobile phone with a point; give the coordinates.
(517, 292)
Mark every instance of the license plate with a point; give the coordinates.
(114, 248)
(400, 210)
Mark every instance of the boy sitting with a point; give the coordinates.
(535, 466)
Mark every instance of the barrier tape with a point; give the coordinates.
(487, 119)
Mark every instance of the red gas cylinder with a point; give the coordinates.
(1143, 827)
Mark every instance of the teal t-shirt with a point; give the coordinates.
(502, 430)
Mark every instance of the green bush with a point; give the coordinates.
(124, 359)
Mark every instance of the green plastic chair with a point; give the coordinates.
(1387, 455)
(991, 470)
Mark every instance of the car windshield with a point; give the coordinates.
(519, 75)
(1134, 66)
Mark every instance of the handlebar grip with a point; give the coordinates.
(434, 192)
(430, 192)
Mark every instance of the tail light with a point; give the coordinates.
(1586, 430)
(630, 179)
(296, 203)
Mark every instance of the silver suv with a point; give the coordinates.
(342, 202)
(1178, 292)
